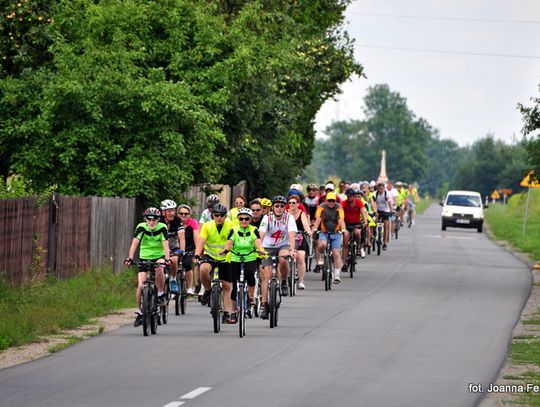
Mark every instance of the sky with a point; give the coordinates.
(462, 65)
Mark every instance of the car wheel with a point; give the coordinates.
(443, 227)
(480, 229)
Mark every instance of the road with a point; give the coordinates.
(415, 327)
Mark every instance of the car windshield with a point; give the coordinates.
(464, 200)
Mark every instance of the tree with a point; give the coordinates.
(148, 97)
(531, 126)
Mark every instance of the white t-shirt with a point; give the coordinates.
(277, 230)
(392, 194)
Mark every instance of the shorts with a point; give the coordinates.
(187, 262)
(267, 261)
(335, 239)
(384, 215)
(301, 243)
(225, 273)
(250, 268)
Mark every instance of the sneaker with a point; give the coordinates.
(284, 288)
(264, 311)
(190, 291)
(344, 268)
(362, 252)
(226, 317)
(317, 269)
(174, 286)
(205, 299)
(138, 320)
(233, 318)
(337, 280)
(301, 286)
(384, 247)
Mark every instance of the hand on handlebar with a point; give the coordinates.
(128, 261)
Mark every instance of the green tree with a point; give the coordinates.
(531, 127)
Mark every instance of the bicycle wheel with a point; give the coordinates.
(272, 303)
(147, 310)
(215, 304)
(256, 311)
(183, 295)
(164, 309)
(328, 273)
(291, 278)
(352, 258)
(154, 314)
(241, 303)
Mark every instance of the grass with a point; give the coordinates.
(422, 205)
(506, 223)
(48, 307)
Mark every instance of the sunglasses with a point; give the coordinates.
(243, 219)
(183, 213)
(149, 218)
(220, 215)
(279, 206)
(312, 189)
(256, 210)
(331, 200)
(293, 203)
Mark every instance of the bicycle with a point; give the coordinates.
(216, 299)
(352, 246)
(292, 277)
(394, 218)
(163, 311)
(409, 215)
(242, 302)
(181, 297)
(379, 235)
(149, 297)
(328, 266)
(274, 292)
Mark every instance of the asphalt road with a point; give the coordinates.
(415, 327)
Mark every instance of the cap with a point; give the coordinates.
(330, 186)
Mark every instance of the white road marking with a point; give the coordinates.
(174, 404)
(197, 392)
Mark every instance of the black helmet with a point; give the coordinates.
(350, 191)
(220, 209)
(279, 199)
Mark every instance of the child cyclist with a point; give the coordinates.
(152, 237)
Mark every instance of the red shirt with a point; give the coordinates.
(353, 215)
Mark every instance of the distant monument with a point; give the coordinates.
(382, 176)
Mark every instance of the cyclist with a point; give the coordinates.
(256, 210)
(151, 235)
(311, 201)
(278, 233)
(412, 199)
(393, 194)
(384, 211)
(191, 233)
(211, 201)
(239, 202)
(303, 226)
(212, 241)
(244, 239)
(330, 219)
(400, 200)
(266, 205)
(175, 233)
(355, 215)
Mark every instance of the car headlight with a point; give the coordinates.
(447, 212)
(478, 216)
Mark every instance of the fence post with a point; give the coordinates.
(51, 246)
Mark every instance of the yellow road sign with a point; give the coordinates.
(529, 182)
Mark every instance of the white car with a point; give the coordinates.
(463, 209)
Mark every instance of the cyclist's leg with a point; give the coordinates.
(336, 245)
(301, 265)
(227, 281)
(173, 267)
(283, 266)
(160, 278)
(205, 269)
(346, 237)
(250, 268)
(187, 263)
(141, 278)
(386, 223)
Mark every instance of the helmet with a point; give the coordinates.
(266, 202)
(219, 208)
(298, 187)
(212, 199)
(350, 191)
(312, 186)
(152, 213)
(245, 211)
(330, 186)
(167, 204)
(279, 199)
(372, 184)
(355, 185)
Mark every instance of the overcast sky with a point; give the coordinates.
(463, 65)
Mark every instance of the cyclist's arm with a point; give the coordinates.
(318, 218)
(292, 230)
(365, 216)
(134, 244)
(305, 223)
(165, 244)
(182, 239)
(341, 220)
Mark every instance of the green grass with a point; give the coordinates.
(422, 205)
(45, 308)
(506, 223)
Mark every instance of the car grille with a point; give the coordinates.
(462, 215)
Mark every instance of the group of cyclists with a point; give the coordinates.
(294, 225)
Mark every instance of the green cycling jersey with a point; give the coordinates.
(151, 240)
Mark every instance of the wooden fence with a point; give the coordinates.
(67, 235)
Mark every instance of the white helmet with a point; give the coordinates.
(298, 187)
(372, 184)
(245, 211)
(212, 199)
(167, 204)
